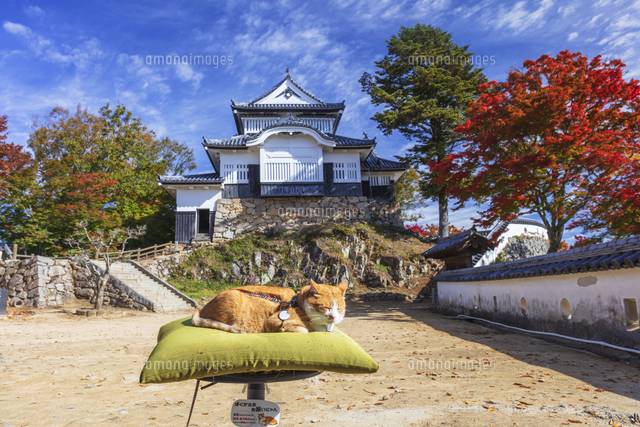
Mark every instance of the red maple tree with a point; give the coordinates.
(557, 138)
(14, 161)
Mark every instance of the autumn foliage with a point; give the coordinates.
(15, 163)
(559, 138)
(97, 169)
(429, 231)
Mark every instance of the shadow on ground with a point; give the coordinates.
(618, 377)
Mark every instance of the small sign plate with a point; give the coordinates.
(255, 413)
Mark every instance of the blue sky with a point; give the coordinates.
(89, 53)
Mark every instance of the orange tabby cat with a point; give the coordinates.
(266, 420)
(273, 309)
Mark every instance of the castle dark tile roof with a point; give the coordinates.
(346, 141)
(375, 163)
(616, 254)
(240, 141)
(198, 178)
(332, 106)
(237, 141)
(470, 239)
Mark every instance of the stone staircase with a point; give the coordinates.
(152, 291)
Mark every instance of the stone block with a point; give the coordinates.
(16, 279)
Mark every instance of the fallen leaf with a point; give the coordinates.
(521, 385)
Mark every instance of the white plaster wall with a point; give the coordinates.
(342, 156)
(593, 296)
(245, 157)
(282, 148)
(512, 230)
(188, 200)
(249, 157)
(277, 95)
(345, 156)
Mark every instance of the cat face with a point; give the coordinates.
(324, 305)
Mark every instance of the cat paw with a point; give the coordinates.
(236, 330)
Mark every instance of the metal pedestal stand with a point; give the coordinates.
(255, 383)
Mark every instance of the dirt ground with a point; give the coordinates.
(62, 370)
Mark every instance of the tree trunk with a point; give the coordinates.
(555, 238)
(443, 214)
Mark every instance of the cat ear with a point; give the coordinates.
(343, 286)
(313, 288)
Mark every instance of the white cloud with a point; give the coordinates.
(572, 36)
(33, 11)
(17, 29)
(186, 73)
(520, 18)
(80, 56)
(567, 10)
(149, 79)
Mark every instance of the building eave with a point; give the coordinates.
(614, 255)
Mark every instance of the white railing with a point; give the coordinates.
(346, 172)
(291, 172)
(256, 124)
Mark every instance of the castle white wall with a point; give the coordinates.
(277, 96)
(188, 200)
(344, 158)
(593, 298)
(300, 155)
(341, 156)
(248, 157)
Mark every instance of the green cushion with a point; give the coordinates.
(187, 352)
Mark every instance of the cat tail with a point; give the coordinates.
(203, 322)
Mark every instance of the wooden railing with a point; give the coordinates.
(144, 253)
(132, 254)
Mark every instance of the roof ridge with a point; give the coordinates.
(299, 86)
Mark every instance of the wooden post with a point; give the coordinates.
(14, 251)
(138, 255)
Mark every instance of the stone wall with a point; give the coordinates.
(37, 281)
(524, 246)
(52, 282)
(238, 216)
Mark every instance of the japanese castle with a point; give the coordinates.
(287, 145)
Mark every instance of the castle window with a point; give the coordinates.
(345, 172)
(379, 180)
(235, 173)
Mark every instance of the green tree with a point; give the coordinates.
(100, 169)
(424, 84)
(17, 184)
